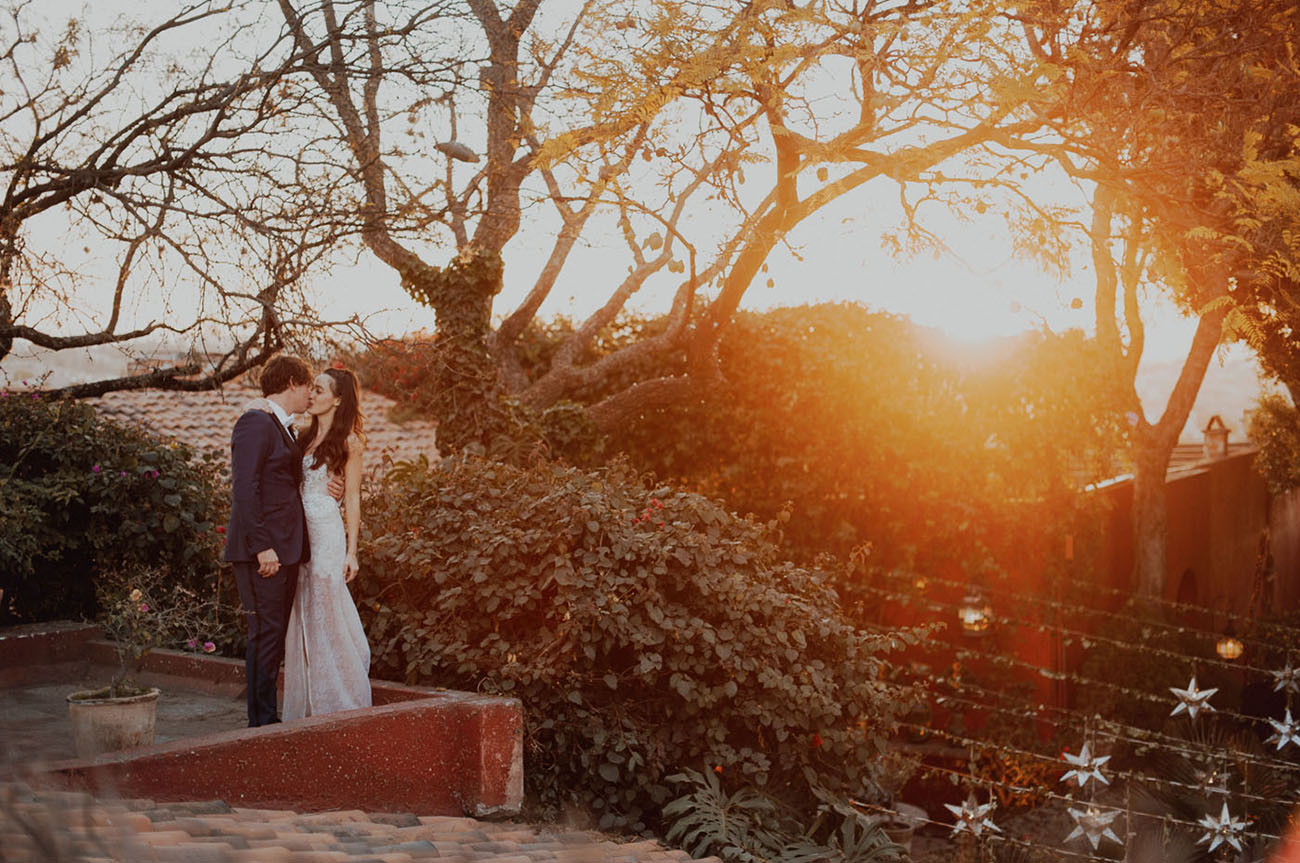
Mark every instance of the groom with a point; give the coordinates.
(267, 536)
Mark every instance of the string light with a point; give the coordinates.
(1203, 774)
(1229, 646)
(975, 614)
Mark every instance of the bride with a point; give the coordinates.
(327, 658)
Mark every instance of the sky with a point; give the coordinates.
(973, 291)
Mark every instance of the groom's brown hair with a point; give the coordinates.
(282, 372)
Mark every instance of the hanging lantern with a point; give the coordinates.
(975, 614)
(1229, 646)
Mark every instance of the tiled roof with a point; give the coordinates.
(204, 420)
(73, 826)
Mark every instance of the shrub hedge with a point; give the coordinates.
(81, 495)
(645, 630)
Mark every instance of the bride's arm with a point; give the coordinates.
(352, 503)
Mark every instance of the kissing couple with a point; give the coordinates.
(292, 552)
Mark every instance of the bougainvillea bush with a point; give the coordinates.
(645, 630)
(81, 495)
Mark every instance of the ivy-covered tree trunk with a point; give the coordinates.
(467, 402)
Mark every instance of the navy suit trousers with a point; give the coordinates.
(267, 603)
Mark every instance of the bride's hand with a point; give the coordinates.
(350, 568)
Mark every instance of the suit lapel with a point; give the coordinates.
(296, 458)
(284, 432)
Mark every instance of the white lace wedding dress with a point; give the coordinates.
(326, 656)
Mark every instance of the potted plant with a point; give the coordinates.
(140, 608)
(902, 819)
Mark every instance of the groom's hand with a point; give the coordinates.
(335, 487)
(268, 563)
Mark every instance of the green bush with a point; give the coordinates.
(645, 631)
(1275, 429)
(80, 495)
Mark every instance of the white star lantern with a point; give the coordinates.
(1287, 731)
(1288, 678)
(1086, 767)
(1213, 779)
(972, 817)
(1223, 830)
(1192, 700)
(1094, 825)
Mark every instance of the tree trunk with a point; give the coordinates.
(6, 319)
(8, 252)
(1150, 517)
(467, 383)
(1151, 447)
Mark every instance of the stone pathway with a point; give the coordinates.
(54, 827)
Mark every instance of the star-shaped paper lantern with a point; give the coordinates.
(1213, 779)
(1094, 825)
(1287, 731)
(1086, 767)
(1288, 678)
(1222, 830)
(1192, 700)
(972, 817)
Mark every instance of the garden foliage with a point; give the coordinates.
(867, 428)
(1275, 429)
(80, 495)
(875, 432)
(646, 631)
(750, 827)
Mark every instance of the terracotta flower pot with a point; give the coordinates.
(101, 724)
(901, 827)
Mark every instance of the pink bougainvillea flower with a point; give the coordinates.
(144, 606)
(209, 647)
(95, 469)
(192, 643)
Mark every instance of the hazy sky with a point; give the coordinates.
(973, 291)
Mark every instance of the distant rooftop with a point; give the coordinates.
(204, 420)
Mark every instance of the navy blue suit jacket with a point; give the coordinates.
(266, 506)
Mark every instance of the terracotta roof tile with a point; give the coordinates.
(204, 420)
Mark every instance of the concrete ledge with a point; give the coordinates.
(28, 652)
(416, 756)
(422, 750)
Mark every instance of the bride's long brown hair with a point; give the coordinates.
(333, 450)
